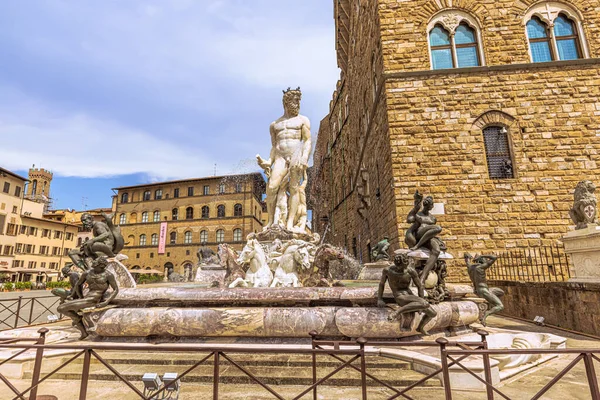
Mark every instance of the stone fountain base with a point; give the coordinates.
(293, 322)
(266, 312)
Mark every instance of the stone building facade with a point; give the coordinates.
(195, 212)
(489, 106)
(32, 247)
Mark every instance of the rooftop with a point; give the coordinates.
(48, 220)
(7, 172)
(255, 174)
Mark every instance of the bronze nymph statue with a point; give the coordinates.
(424, 232)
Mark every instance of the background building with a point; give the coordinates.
(193, 212)
(74, 217)
(32, 248)
(490, 106)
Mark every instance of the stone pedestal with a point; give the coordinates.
(373, 271)
(584, 248)
(209, 274)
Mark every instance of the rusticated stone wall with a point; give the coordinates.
(563, 304)
(426, 127)
(551, 114)
(404, 29)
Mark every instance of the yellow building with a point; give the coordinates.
(11, 200)
(191, 213)
(32, 248)
(74, 217)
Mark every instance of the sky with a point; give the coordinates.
(121, 92)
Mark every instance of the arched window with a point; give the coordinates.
(237, 235)
(122, 219)
(455, 40)
(147, 195)
(34, 187)
(220, 236)
(187, 238)
(156, 216)
(158, 194)
(204, 237)
(221, 188)
(174, 214)
(450, 51)
(142, 240)
(555, 32)
(79, 241)
(154, 239)
(145, 216)
(130, 240)
(539, 40)
(189, 213)
(124, 197)
(498, 152)
(133, 218)
(205, 212)
(567, 40)
(237, 210)
(173, 237)
(221, 211)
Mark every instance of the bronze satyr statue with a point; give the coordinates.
(400, 275)
(477, 267)
(380, 251)
(107, 241)
(73, 279)
(98, 280)
(423, 232)
(584, 209)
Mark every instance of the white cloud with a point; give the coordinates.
(182, 55)
(80, 145)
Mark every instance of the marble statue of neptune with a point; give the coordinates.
(286, 168)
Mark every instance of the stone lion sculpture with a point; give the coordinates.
(584, 207)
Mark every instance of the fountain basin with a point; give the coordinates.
(295, 322)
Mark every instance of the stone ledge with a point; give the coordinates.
(276, 322)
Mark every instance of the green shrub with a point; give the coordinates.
(28, 285)
(146, 279)
(20, 285)
(9, 286)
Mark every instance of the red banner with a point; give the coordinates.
(162, 241)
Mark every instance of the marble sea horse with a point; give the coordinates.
(258, 274)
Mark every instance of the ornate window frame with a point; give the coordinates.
(450, 19)
(548, 11)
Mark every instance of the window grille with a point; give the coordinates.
(497, 150)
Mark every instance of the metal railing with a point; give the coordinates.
(452, 355)
(23, 311)
(536, 264)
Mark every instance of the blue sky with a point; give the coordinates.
(120, 92)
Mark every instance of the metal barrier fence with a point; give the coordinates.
(24, 311)
(536, 264)
(452, 354)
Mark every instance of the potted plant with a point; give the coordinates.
(8, 286)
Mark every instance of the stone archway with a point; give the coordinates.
(169, 269)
